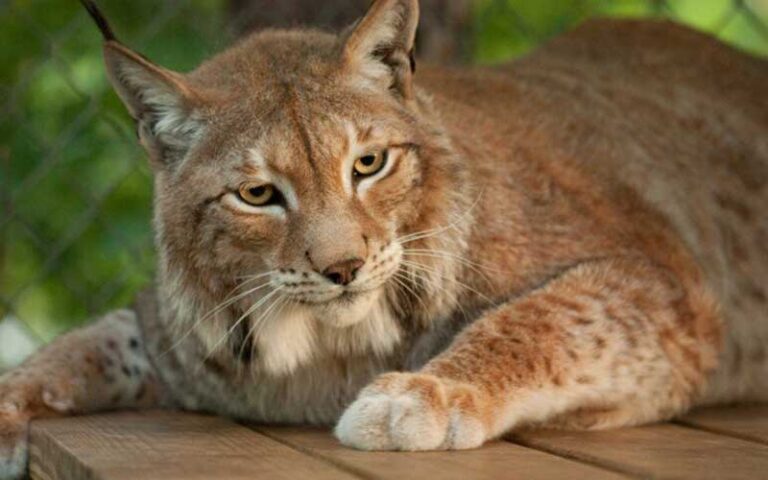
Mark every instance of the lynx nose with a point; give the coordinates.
(342, 273)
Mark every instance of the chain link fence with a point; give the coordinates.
(75, 190)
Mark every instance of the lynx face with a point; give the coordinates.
(310, 199)
(290, 171)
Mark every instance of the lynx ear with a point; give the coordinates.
(379, 48)
(161, 101)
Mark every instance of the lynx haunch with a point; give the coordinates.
(429, 258)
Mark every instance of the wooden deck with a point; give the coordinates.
(723, 443)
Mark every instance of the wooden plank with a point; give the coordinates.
(163, 446)
(496, 460)
(749, 422)
(658, 451)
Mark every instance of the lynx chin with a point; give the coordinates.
(427, 259)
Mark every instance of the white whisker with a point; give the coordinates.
(443, 255)
(453, 255)
(458, 304)
(426, 269)
(402, 280)
(245, 315)
(257, 325)
(212, 312)
(234, 299)
(250, 278)
(254, 277)
(438, 230)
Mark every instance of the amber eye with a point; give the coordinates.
(369, 164)
(257, 195)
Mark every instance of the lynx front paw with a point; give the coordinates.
(13, 443)
(407, 411)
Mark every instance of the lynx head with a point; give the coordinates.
(292, 167)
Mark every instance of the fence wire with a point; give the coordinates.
(75, 236)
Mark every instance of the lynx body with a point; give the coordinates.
(430, 259)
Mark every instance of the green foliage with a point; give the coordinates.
(75, 236)
(75, 224)
(509, 28)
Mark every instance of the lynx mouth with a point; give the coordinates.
(345, 297)
(340, 310)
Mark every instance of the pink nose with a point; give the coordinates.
(342, 273)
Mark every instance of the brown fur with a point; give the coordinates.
(574, 239)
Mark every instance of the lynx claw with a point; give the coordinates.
(405, 411)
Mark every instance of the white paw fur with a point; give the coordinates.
(415, 412)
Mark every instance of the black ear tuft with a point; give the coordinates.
(99, 19)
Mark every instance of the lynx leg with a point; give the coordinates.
(102, 366)
(608, 343)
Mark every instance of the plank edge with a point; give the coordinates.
(50, 460)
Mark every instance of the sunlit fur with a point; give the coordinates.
(576, 239)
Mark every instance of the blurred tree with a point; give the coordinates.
(444, 33)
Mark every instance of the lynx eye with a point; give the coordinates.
(370, 164)
(257, 195)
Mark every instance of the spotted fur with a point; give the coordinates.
(576, 239)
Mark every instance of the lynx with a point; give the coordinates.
(427, 259)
